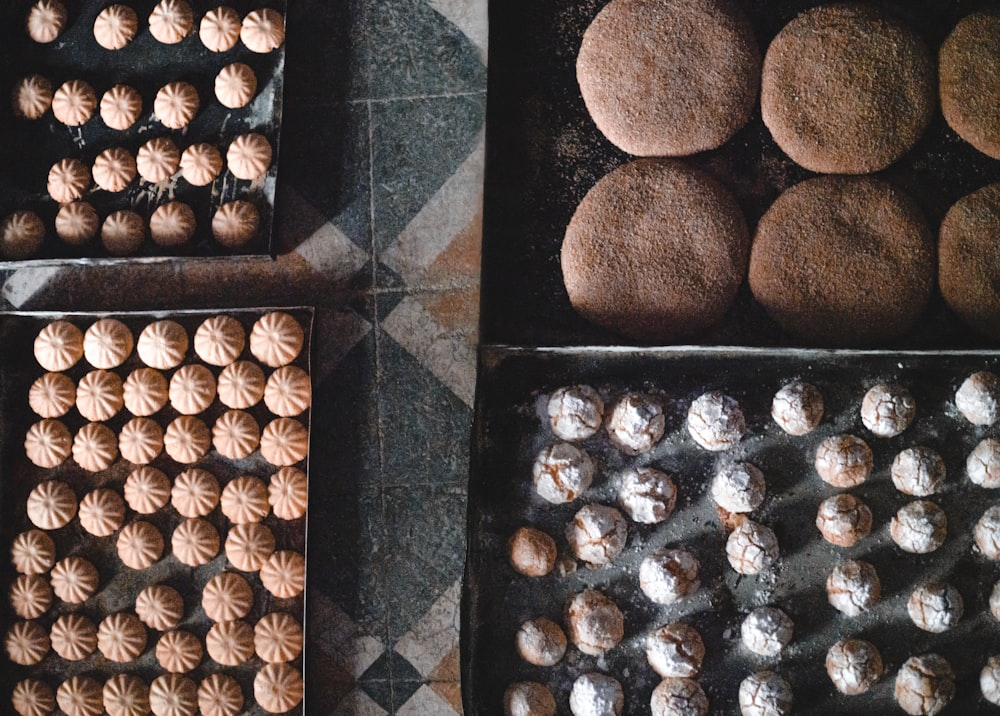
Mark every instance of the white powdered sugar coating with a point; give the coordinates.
(983, 464)
(843, 460)
(575, 412)
(843, 520)
(751, 547)
(648, 496)
(541, 642)
(989, 680)
(918, 471)
(888, 410)
(853, 665)
(675, 650)
(919, 527)
(853, 587)
(987, 533)
(527, 698)
(669, 575)
(935, 607)
(716, 421)
(925, 685)
(978, 398)
(797, 408)
(593, 622)
(765, 694)
(739, 487)
(562, 472)
(995, 601)
(597, 534)
(678, 697)
(766, 631)
(636, 423)
(596, 695)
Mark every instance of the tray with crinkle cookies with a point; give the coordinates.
(153, 500)
(135, 131)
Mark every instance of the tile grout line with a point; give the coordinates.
(409, 98)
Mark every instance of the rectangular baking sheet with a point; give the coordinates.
(510, 429)
(119, 586)
(29, 148)
(544, 153)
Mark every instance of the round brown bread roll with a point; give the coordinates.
(843, 260)
(669, 77)
(969, 259)
(846, 90)
(970, 81)
(655, 251)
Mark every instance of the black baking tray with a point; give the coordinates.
(119, 586)
(510, 429)
(29, 148)
(543, 153)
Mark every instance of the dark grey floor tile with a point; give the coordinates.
(327, 56)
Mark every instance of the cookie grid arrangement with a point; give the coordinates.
(142, 135)
(197, 532)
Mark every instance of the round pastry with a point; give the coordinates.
(126, 695)
(121, 637)
(675, 650)
(195, 493)
(141, 440)
(532, 552)
(58, 346)
(278, 638)
(230, 643)
(528, 698)
(925, 685)
(967, 260)
(241, 385)
(249, 545)
(140, 545)
(919, 527)
(669, 575)
(263, 30)
(969, 81)
(162, 344)
(47, 444)
(248, 157)
(99, 395)
(797, 409)
(147, 490)
(244, 500)
(656, 251)
(646, 495)
(200, 164)
(918, 471)
(32, 97)
(176, 104)
(765, 693)
(235, 223)
(888, 410)
(593, 622)
(636, 422)
(52, 395)
(983, 464)
(597, 534)
(853, 587)
(107, 343)
(596, 694)
(766, 631)
(95, 447)
(160, 607)
(807, 271)
(80, 696)
(843, 520)
(738, 487)
(121, 106)
(115, 27)
(30, 596)
(102, 512)
(978, 398)
(220, 29)
(276, 339)
(220, 695)
(284, 574)
(539, 641)
(157, 160)
(68, 180)
(844, 461)
(227, 596)
(74, 637)
(278, 687)
(173, 695)
(846, 89)
(114, 169)
(219, 340)
(751, 547)
(33, 552)
(195, 542)
(123, 232)
(678, 697)
(171, 21)
(22, 233)
(716, 421)
(935, 607)
(236, 434)
(669, 79)
(235, 86)
(74, 580)
(178, 652)
(288, 493)
(575, 412)
(26, 643)
(288, 392)
(854, 666)
(192, 389)
(987, 533)
(74, 103)
(989, 680)
(46, 20)
(284, 442)
(77, 223)
(32, 697)
(562, 472)
(51, 504)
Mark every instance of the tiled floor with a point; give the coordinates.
(379, 209)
